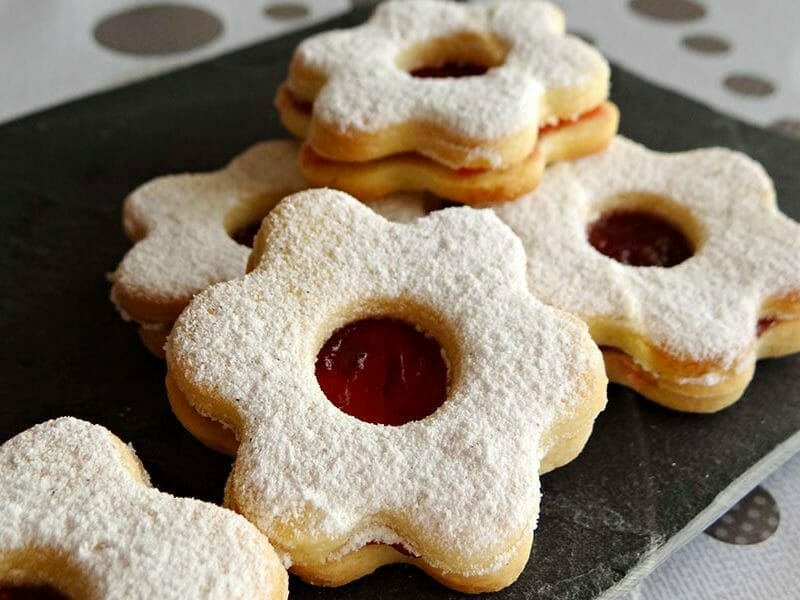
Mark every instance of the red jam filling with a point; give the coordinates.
(449, 69)
(764, 324)
(382, 371)
(639, 238)
(30, 592)
(246, 234)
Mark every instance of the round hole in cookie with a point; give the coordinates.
(29, 592)
(643, 230)
(465, 54)
(383, 370)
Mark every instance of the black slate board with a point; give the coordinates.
(645, 474)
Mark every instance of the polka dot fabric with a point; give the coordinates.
(92, 45)
(742, 58)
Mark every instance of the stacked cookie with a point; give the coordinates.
(467, 102)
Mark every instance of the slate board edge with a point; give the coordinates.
(719, 506)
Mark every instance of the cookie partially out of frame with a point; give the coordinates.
(79, 516)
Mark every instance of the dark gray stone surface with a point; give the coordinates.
(644, 475)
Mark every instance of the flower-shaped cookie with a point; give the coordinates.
(386, 87)
(688, 335)
(193, 230)
(455, 492)
(79, 516)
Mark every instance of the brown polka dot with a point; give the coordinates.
(752, 520)
(158, 29)
(749, 85)
(790, 127)
(677, 11)
(706, 44)
(287, 10)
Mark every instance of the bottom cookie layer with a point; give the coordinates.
(371, 557)
(782, 337)
(413, 172)
(566, 441)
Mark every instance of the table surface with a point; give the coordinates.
(740, 57)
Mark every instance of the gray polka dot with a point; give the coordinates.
(751, 521)
(749, 85)
(287, 10)
(706, 44)
(158, 29)
(790, 127)
(676, 11)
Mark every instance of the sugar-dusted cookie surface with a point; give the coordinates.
(80, 517)
(686, 335)
(456, 492)
(395, 84)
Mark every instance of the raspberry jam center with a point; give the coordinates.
(30, 592)
(449, 69)
(246, 234)
(765, 324)
(383, 371)
(640, 239)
